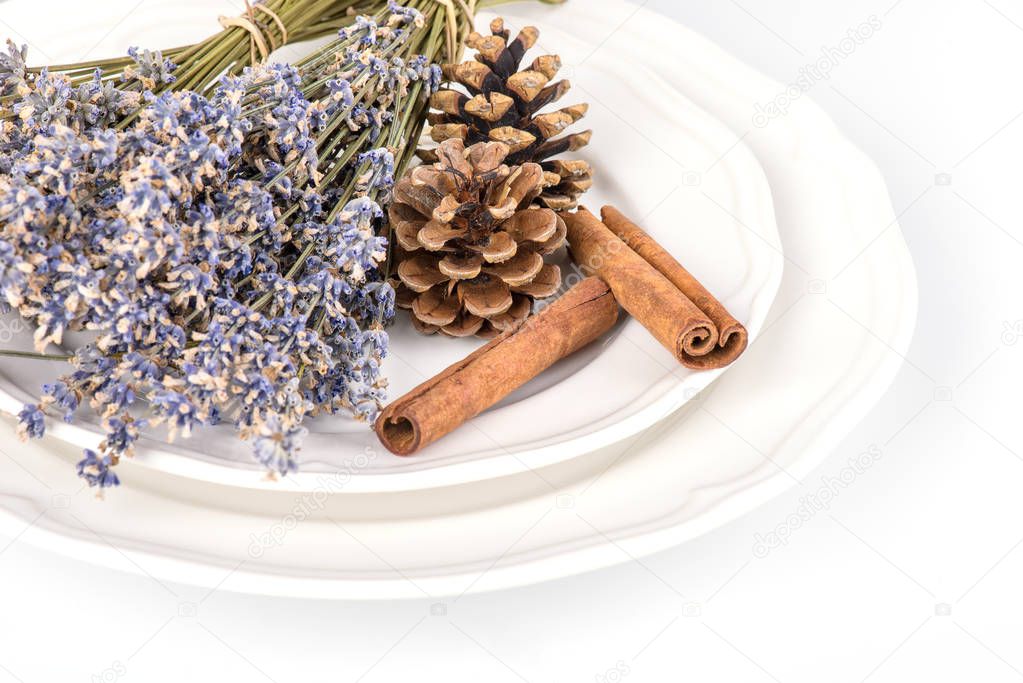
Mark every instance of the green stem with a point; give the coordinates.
(33, 355)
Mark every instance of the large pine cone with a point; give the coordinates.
(504, 107)
(470, 245)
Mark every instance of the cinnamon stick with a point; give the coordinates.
(731, 335)
(646, 294)
(484, 377)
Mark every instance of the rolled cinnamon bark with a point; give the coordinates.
(645, 293)
(731, 335)
(484, 377)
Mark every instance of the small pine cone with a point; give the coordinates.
(503, 105)
(470, 247)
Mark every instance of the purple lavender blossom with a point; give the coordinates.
(276, 444)
(12, 67)
(31, 422)
(60, 395)
(96, 470)
(150, 68)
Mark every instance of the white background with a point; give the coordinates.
(912, 573)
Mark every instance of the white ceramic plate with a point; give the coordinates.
(820, 365)
(657, 156)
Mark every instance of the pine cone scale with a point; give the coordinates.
(461, 266)
(485, 296)
(545, 284)
(435, 234)
(536, 225)
(465, 325)
(519, 311)
(499, 247)
(421, 272)
(436, 307)
(422, 198)
(518, 270)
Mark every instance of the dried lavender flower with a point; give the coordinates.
(224, 248)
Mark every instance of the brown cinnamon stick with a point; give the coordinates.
(650, 297)
(731, 335)
(484, 377)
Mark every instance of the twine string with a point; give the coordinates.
(262, 42)
(261, 39)
(277, 20)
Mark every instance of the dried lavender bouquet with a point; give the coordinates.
(224, 247)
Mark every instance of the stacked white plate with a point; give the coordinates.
(616, 452)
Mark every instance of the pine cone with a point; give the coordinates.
(470, 245)
(503, 105)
